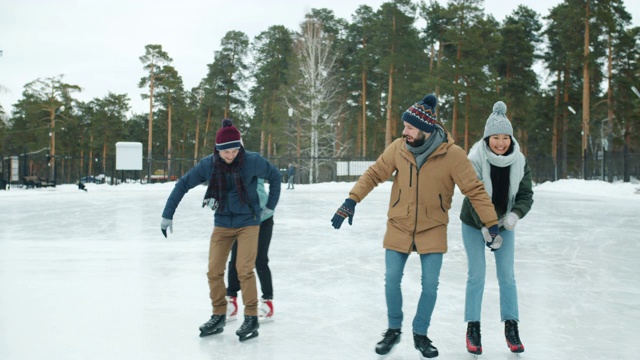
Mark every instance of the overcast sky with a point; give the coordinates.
(97, 44)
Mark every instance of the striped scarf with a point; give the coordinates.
(217, 189)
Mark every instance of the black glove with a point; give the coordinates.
(492, 237)
(347, 209)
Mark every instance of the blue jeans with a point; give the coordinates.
(476, 249)
(431, 264)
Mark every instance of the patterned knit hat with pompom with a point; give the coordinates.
(422, 115)
(497, 123)
(228, 137)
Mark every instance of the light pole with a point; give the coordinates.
(564, 142)
(604, 145)
(290, 132)
(52, 143)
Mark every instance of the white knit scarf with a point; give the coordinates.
(482, 158)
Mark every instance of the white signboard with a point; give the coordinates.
(15, 168)
(128, 156)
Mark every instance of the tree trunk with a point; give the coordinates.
(554, 131)
(438, 76)
(388, 136)
(456, 81)
(169, 149)
(150, 143)
(585, 87)
(466, 122)
(364, 113)
(609, 96)
(195, 150)
(565, 120)
(206, 130)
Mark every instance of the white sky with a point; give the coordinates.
(97, 44)
(88, 275)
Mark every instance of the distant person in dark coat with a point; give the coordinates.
(291, 174)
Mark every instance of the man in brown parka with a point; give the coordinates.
(428, 166)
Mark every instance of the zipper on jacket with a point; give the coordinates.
(415, 226)
(397, 201)
(410, 175)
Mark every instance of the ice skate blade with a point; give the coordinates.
(216, 331)
(248, 336)
(476, 353)
(432, 355)
(384, 356)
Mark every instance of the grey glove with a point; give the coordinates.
(164, 224)
(509, 221)
(265, 214)
(492, 237)
(210, 203)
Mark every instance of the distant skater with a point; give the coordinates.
(291, 174)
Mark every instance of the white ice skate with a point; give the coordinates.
(232, 308)
(265, 310)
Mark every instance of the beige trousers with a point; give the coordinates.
(221, 242)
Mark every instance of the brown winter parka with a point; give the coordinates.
(420, 199)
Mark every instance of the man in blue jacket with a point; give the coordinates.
(232, 175)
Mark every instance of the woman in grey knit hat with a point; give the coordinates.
(506, 175)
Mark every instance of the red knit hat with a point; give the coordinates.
(228, 137)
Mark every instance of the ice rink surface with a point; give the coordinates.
(88, 275)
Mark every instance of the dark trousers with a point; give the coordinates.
(262, 263)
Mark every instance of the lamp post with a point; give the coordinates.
(290, 111)
(52, 143)
(564, 141)
(604, 145)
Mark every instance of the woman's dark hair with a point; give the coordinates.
(509, 150)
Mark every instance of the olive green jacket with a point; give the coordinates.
(521, 204)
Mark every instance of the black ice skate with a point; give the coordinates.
(390, 338)
(215, 325)
(425, 346)
(249, 328)
(474, 344)
(513, 336)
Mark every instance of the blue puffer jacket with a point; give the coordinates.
(234, 214)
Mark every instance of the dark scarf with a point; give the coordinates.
(422, 151)
(500, 183)
(217, 189)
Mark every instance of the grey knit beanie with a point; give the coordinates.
(497, 123)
